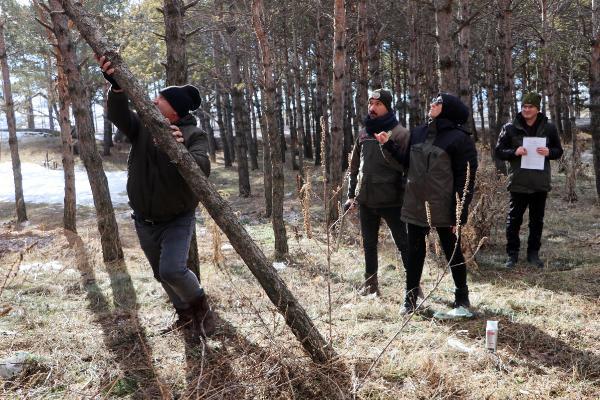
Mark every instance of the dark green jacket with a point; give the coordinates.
(155, 188)
(437, 173)
(376, 179)
(511, 137)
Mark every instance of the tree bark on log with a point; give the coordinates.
(12, 131)
(105, 216)
(295, 316)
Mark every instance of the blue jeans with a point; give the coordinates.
(166, 245)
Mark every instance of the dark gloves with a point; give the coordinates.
(111, 80)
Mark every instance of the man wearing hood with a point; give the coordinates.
(442, 163)
(163, 204)
(527, 187)
(377, 184)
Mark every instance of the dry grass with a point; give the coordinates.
(95, 328)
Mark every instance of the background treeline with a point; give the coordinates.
(325, 57)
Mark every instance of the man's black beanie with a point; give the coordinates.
(183, 99)
(453, 109)
(384, 96)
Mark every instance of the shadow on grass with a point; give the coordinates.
(536, 347)
(229, 366)
(122, 332)
(581, 281)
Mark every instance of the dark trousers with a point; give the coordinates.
(370, 220)
(416, 255)
(166, 246)
(518, 204)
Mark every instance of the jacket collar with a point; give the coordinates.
(519, 122)
(187, 120)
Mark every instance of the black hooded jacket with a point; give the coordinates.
(155, 188)
(522, 180)
(437, 167)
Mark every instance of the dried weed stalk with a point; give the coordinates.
(305, 193)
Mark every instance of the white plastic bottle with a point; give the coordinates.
(491, 336)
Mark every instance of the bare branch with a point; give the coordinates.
(190, 5)
(44, 24)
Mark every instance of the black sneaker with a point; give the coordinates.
(534, 259)
(410, 302)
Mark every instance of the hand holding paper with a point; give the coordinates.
(532, 158)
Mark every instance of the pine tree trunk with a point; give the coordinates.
(373, 44)
(107, 224)
(281, 246)
(12, 130)
(337, 109)
(321, 112)
(413, 67)
(595, 90)
(267, 166)
(70, 204)
(228, 115)
(362, 59)
(308, 144)
(51, 99)
(464, 77)
(445, 46)
(506, 45)
(30, 115)
(238, 112)
(206, 125)
(107, 142)
(299, 108)
(175, 39)
(250, 113)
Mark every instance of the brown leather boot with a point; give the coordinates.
(370, 286)
(204, 317)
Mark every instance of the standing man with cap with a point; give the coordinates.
(527, 187)
(377, 184)
(162, 202)
(441, 152)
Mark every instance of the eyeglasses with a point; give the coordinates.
(437, 100)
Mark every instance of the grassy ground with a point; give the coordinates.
(95, 329)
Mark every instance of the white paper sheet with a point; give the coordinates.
(533, 160)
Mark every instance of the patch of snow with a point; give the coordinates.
(46, 186)
(226, 246)
(39, 267)
(279, 266)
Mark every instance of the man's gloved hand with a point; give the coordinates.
(107, 72)
(111, 80)
(349, 205)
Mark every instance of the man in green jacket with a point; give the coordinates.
(528, 187)
(377, 184)
(163, 204)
